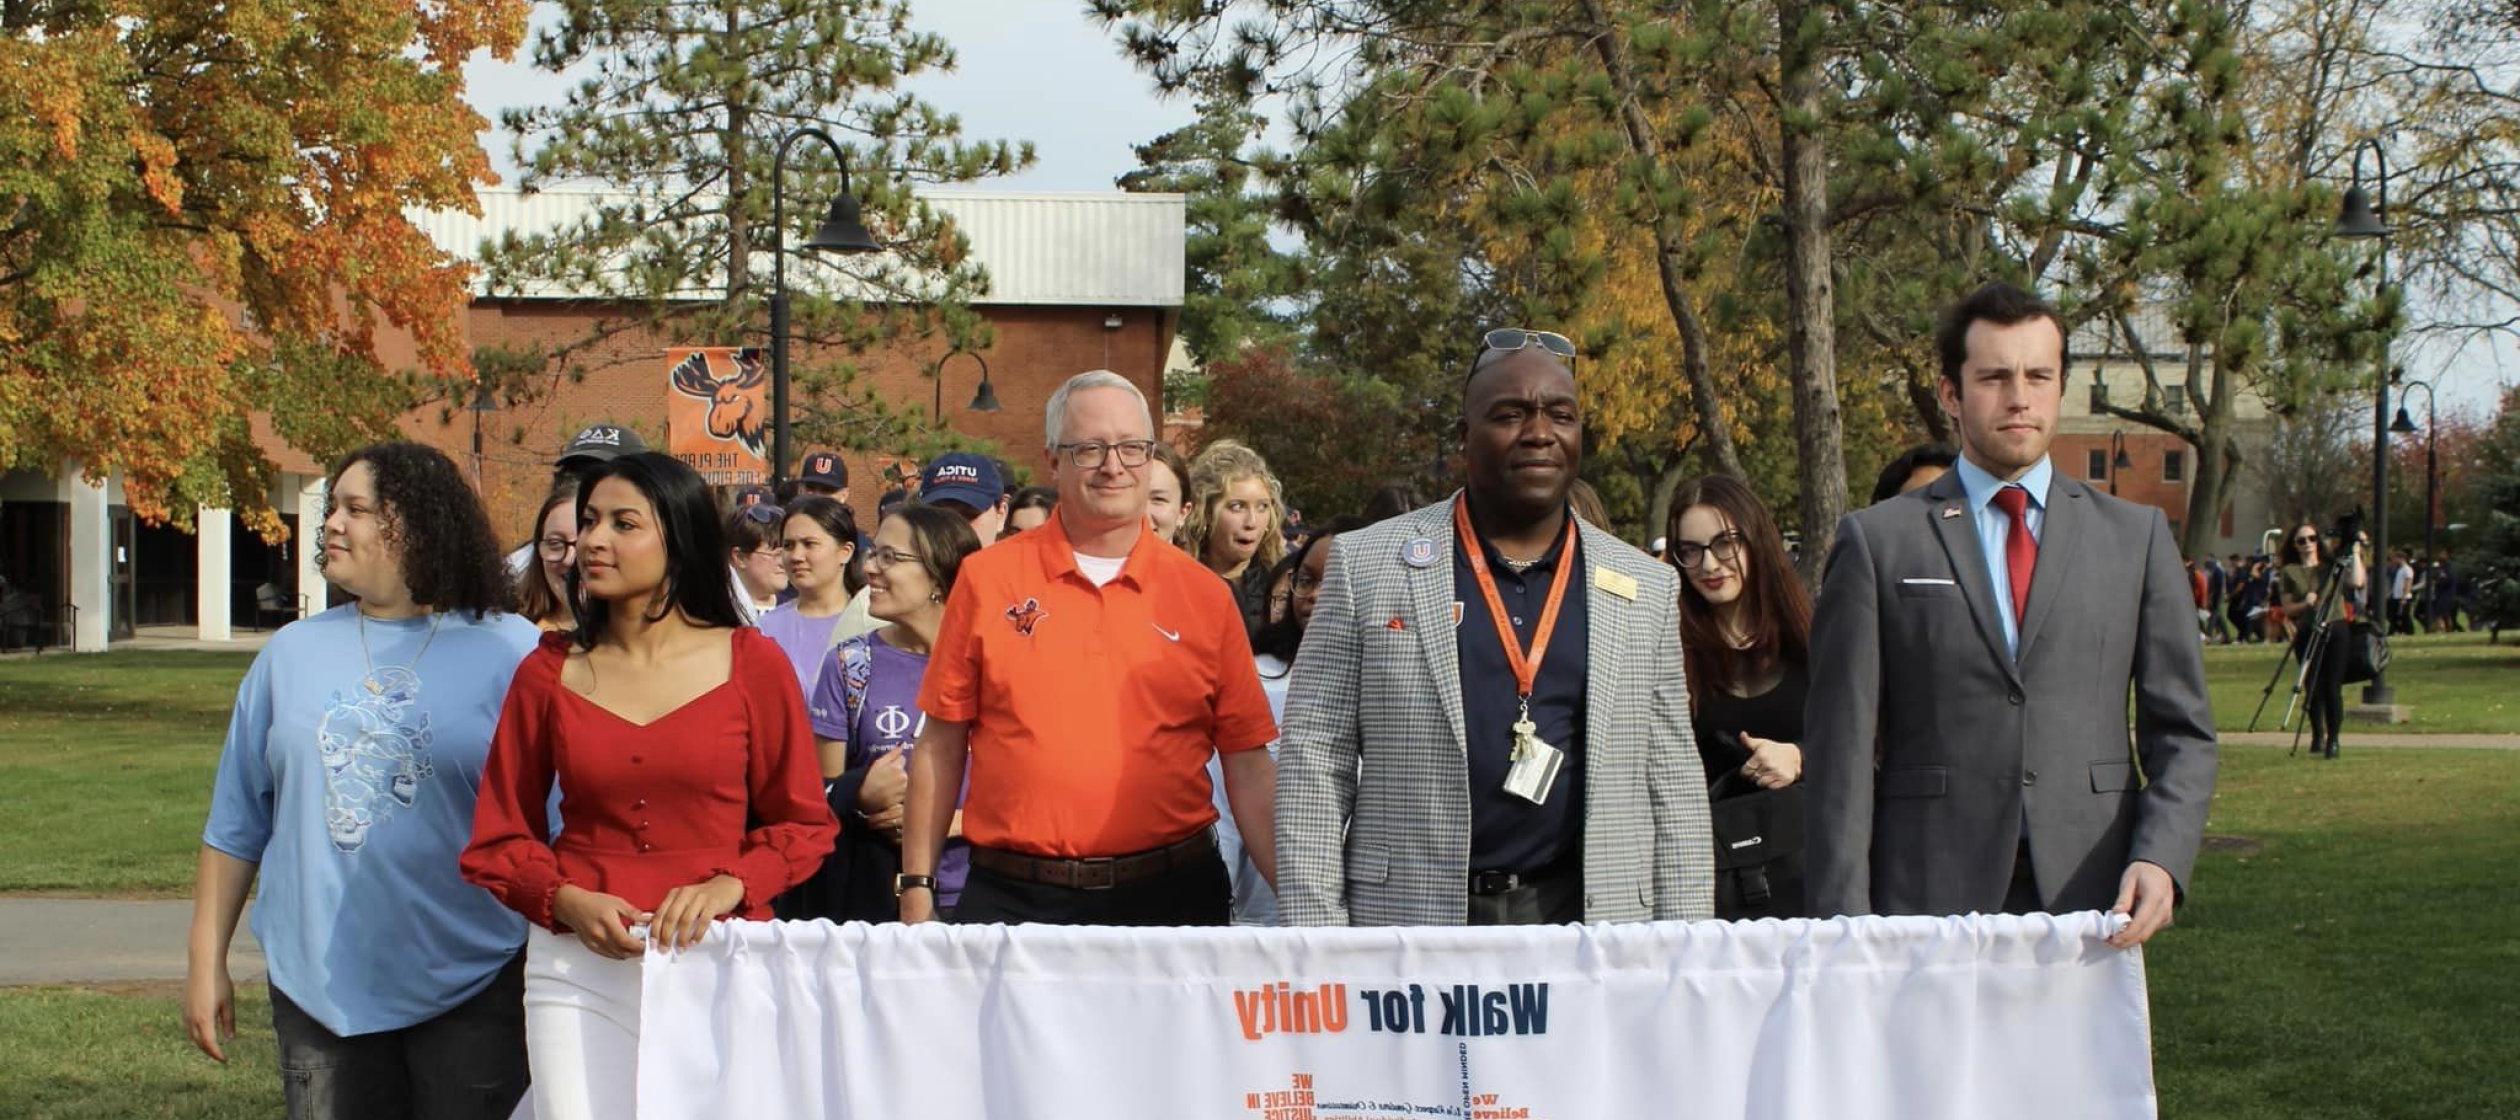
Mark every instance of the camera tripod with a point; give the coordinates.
(2331, 606)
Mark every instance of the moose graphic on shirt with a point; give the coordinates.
(375, 749)
(739, 404)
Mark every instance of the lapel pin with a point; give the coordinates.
(1950, 512)
(1419, 552)
(1396, 623)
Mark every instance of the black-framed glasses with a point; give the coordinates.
(554, 548)
(881, 556)
(1090, 454)
(763, 514)
(1725, 548)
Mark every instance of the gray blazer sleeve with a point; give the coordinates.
(1317, 757)
(1684, 837)
(2174, 718)
(1840, 723)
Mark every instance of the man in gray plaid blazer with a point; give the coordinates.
(1433, 770)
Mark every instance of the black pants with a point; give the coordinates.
(1194, 894)
(2323, 688)
(2021, 896)
(467, 1064)
(1549, 899)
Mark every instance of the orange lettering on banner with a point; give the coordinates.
(717, 411)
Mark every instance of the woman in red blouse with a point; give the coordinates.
(690, 787)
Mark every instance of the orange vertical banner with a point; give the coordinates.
(717, 411)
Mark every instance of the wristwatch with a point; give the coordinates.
(903, 883)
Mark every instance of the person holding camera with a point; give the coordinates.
(2308, 599)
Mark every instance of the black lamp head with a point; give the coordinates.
(841, 231)
(986, 399)
(2357, 219)
(2122, 462)
(2404, 424)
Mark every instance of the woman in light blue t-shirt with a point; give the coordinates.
(346, 787)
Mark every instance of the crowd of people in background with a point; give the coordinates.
(1146, 691)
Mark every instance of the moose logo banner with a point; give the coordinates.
(717, 412)
(1953, 1018)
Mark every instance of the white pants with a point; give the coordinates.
(581, 1030)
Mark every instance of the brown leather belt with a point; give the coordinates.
(1100, 873)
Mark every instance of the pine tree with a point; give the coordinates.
(682, 115)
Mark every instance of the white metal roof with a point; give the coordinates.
(1104, 249)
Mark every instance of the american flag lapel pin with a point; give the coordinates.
(1950, 512)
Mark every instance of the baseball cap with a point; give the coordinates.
(600, 443)
(960, 476)
(824, 468)
(754, 495)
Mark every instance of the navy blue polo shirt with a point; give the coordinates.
(1508, 833)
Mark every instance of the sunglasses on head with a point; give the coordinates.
(1516, 338)
(763, 514)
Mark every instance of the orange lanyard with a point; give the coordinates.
(1526, 666)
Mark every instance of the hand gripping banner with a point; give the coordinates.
(1951, 1018)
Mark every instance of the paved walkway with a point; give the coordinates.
(72, 940)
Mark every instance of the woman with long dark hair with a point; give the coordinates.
(1745, 639)
(346, 788)
(866, 718)
(2298, 589)
(1295, 586)
(677, 736)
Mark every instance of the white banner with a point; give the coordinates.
(1950, 1018)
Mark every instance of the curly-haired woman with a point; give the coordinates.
(346, 787)
(1236, 523)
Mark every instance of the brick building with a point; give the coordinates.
(2161, 468)
(1078, 281)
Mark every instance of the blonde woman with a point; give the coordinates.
(1235, 522)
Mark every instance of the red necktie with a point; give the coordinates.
(2021, 550)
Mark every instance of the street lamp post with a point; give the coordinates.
(841, 232)
(2118, 462)
(983, 401)
(482, 402)
(2405, 425)
(2360, 219)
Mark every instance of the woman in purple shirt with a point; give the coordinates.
(866, 716)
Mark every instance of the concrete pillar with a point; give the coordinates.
(211, 587)
(91, 560)
(309, 547)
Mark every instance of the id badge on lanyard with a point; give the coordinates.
(1536, 761)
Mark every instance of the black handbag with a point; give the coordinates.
(2366, 650)
(1758, 849)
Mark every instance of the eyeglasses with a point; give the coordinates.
(1515, 338)
(763, 514)
(1090, 454)
(2306, 538)
(554, 548)
(1725, 548)
(882, 557)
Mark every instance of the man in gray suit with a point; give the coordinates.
(1487, 722)
(1966, 739)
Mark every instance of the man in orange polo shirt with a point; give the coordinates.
(1084, 674)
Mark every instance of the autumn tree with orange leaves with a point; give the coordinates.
(206, 223)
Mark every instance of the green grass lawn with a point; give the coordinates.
(109, 759)
(81, 1054)
(2452, 683)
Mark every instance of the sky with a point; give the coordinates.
(1040, 70)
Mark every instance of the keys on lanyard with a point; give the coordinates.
(1536, 761)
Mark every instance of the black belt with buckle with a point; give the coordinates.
(1497, 882)
(1099, 873)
